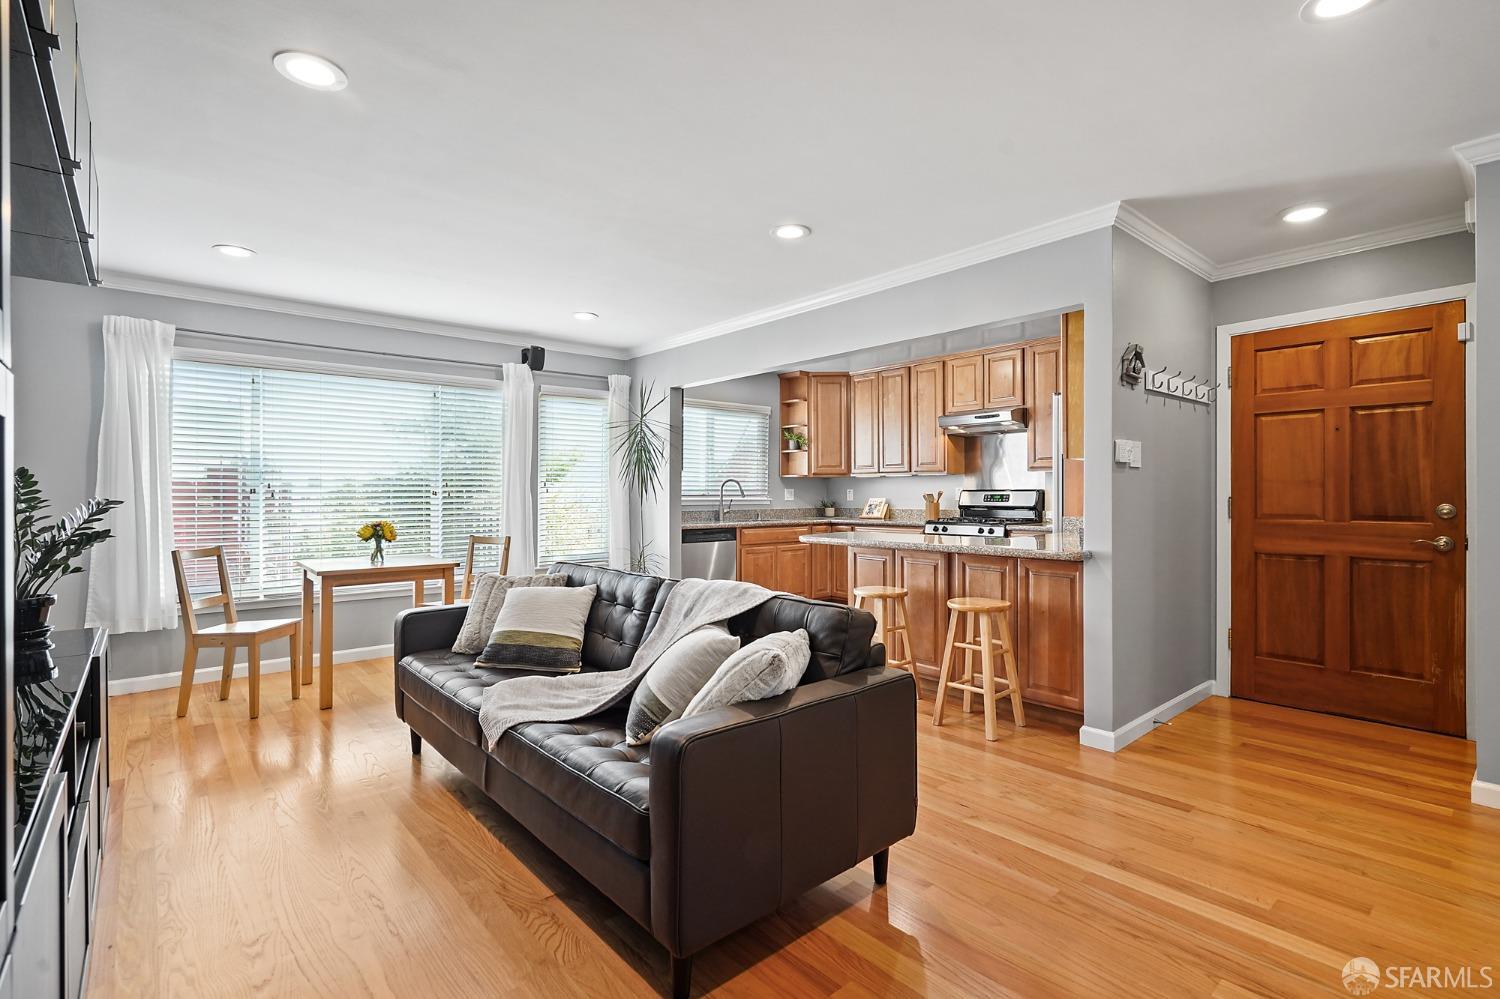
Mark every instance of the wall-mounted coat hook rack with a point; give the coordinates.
(1180, 386)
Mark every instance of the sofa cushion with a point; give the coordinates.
(449, 685)
(541, 628)
(590, 772)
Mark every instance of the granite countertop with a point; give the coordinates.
(1062, 548)
(800, 522)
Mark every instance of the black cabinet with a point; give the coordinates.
(61, 787)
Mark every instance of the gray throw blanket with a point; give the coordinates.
(691, 604)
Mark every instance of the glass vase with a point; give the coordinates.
(377, 554)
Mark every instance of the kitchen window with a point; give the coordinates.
(721, 441)
(281, 463)
(572, 477)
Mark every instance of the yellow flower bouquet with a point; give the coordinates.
(378, 531)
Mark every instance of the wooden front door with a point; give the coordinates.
(1347, 453)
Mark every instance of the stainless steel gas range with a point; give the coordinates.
(991, 512)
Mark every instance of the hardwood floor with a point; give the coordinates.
(1243, 849)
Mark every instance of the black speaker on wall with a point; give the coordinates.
(534, 358)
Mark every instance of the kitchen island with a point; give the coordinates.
(1040, 574)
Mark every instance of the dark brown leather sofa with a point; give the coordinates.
(723, 817)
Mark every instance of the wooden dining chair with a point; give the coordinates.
(484, 540)
(228, 636)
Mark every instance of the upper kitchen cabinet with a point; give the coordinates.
(55, 199)
(963, 385)
(815, 404)
(864, 419)
(934, 452)
(1044, 376)
(895, 420)
(1004, 381)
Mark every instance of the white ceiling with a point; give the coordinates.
(502, 164)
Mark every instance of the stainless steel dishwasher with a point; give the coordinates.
(708, 552)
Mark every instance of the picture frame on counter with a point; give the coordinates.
(875, 509)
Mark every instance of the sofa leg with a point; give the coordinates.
(882, 865)
(682, 977)
(416, 743)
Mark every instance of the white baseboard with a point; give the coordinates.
(1482, 792)
(1113, 742)
(209, 666)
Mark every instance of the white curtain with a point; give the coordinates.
(619, 492)
(518, 512)
(130, 575)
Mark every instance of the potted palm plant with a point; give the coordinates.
(46, 553)
(642, 441)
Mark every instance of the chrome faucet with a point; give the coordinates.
(724, 506)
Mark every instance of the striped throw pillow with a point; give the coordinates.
(540, 628)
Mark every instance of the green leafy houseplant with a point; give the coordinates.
(642, 442)
(828, 506)
(796, 438)
(47, 551)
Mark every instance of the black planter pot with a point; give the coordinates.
(33, 639)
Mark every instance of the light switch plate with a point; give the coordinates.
(849, 495)
(788, 495)
(1135, 454)
(1128, 453)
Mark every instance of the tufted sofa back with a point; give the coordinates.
(629, 603)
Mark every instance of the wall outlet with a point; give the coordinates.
(788, 494)
(849, 495)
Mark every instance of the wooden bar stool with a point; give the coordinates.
(994, 632)
(889, 608)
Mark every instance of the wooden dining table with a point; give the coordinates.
(331, 573)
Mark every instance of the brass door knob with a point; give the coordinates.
(1447, 511)
(1442, 543)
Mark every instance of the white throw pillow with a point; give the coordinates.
(540, 628)
(485, 601)
(766, 667)
(674, 678)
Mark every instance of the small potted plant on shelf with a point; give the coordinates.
(795, 439)
(46, 553)
(378, 531)
(828, 507)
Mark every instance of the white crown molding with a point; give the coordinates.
(1474, 153)
(1341, 247)
(1132, 221)
(120, 281)
(1026, 239)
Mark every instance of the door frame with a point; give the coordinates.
(1222, 567)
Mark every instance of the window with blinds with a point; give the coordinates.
(572, 478)
(278, 465)
(721, 441)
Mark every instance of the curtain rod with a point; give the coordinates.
(375, 353)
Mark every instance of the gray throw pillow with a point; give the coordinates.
(766, 667)
(485, 601)
(674, 678)
(540, 628)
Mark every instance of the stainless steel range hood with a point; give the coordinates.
(995, 421)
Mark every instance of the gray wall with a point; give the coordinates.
(1163, 511)
(59, 364)
(1484, 595)
(1439, 262)
(763, 390)
(1068, 274)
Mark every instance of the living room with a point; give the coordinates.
(833, 501)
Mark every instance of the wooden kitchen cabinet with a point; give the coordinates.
(925, 577)
(987, 576)
(838, 569)
(773, 557)
(816, 404)
(1050, 641)
(757, 564)
(894, 389)
(864, 417)
(1043, 377)
(932, 451)
(794, 568)
(1004, 378)
(963, 387)
(870, 567)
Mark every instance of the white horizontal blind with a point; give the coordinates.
(280, 465)
(725, 442)
(572, 478)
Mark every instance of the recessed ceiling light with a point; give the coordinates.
(586, 317)
(1318, 11)
(1303, 213)
(311, 71)
(792, 230)
(234, 250)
